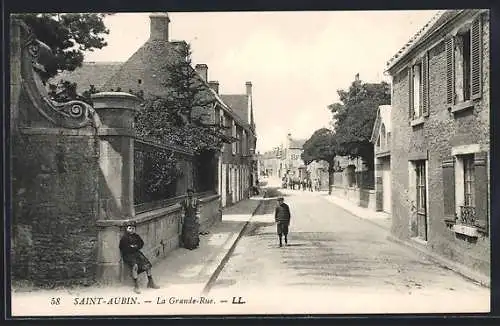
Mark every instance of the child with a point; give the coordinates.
(282, 218)
(130, 246)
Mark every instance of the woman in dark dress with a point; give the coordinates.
(191, 226)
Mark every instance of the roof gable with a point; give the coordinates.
(296, 143)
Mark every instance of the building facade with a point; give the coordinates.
(292, 164)
(440, 118)
(381, 138)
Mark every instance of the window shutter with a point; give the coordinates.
(448, 166)
(450, 71)
(410, 93)
(425, 85)
(481, 189)
(476, 57)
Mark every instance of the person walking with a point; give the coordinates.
(282, 218)
(130, 247)
(190, 227)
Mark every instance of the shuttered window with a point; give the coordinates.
(425, 85)
(476, 57)
(464, 64)
(448, 170)
(450, 71)
(481, 190)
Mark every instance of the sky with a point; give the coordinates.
(296, 61)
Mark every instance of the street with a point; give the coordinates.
(332, 257)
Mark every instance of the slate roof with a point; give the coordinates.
(146, 64)
(90, 73)
(297, 143)
(239, 105)
(438, 20)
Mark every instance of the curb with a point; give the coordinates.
(445, 263)
(228, 254)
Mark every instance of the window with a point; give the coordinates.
(235, 143)
(464, 65)
(469, 180)
(139, 81)
(421, 196)
(417, 79)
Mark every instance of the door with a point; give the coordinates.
(386, 186)
(421, 200)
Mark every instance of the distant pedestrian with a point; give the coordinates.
(190, 227)
(309, 185)
(282, 219)
(130, 247)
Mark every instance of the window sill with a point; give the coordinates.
(417, 121)
(462, 106)
(467, 230)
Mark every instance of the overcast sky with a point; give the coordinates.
(296, 61)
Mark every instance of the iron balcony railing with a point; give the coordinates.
(467, 215)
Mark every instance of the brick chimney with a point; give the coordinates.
(202, 70)
(214, 84)
(159, 26)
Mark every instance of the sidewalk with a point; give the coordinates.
(382, 219)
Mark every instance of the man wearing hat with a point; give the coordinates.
(130, 246)
(282, 218)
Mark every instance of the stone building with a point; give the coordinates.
(291, 161)
(440, 118)
(270, 163)
(381, 139)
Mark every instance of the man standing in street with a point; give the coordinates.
(282, 218)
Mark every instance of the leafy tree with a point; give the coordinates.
(355, 116)
(68, 36)
(321, 147)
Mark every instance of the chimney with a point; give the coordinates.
(214, 84)
(202, 70)
(249, 88)
(159, 26)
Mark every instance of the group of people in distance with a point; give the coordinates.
(304, 184)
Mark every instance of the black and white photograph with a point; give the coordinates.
(249, 162)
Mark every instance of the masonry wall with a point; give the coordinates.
(55, 191)
(439, 133)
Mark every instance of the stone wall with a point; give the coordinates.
(54, 207)
(361, 197)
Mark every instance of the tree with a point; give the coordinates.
(68, 36)
(321, 147)
(355, 116)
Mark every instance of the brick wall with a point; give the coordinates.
(440, 132)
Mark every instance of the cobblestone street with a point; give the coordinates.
(337, 262)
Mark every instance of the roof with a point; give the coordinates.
(90, 73)
(438, 20)
(145, 69)
(297, 143)
(239, 105)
